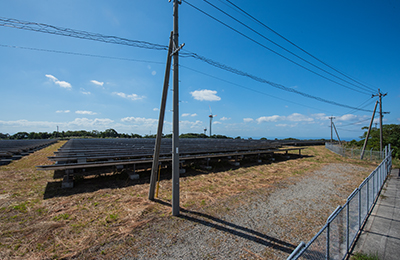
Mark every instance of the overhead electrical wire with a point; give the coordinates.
(45, 28)
(51, 29)
(80, 54)
(261, 80)
(285, 49)
(250, 89)
(262, 45)
(154, 62)
(295, 45)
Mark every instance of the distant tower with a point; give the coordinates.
(211, 116)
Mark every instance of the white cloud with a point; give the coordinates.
(139, 120)
(189, 124)
(205, 95)
(247, 120)
(193, 115)
(296, 117)
(347, 117)
(63, 111)
(90, 123)
(82, 112)
(131, 97)
(83, 91)
(156, 109)
(320, 116)
(216, 122)
(185, 114)
(225, 118)
(153, 73)
(273, 118)
(62, 84)
(286, 125)
(97, 83)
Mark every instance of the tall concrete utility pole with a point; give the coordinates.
(331, 128)
(175, 124)
(380, 95)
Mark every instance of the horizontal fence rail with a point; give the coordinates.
(355, 153)
(337, 236)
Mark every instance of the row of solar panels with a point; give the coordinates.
(14, 149)
(83, 153)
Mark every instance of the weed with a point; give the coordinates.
(21, 207)
(112, 217)
(363, 256)
(63, 216)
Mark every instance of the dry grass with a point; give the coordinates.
(100, 215)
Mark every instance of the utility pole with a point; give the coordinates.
(331, 128)
(369, 130)
(380, 95)
(157, 147)
(175, 124)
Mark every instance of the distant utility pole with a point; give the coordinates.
(331, 128)
(380, 95)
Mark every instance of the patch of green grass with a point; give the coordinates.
(112, 217)
(363, 256)
(21, 207)
(64, 216)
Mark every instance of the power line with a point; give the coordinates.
(51, 29)
(79, 54)
(285, 49)
(261, 80)
(262, 45)
(13, 23)
(250, 89)
(295, 45)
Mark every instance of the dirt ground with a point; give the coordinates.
(106, 214)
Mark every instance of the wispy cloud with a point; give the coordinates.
(185, 114)
(156, 109)
(83, 112)
(97, 83)
(295, 117)
(247, 120)
(139, 120)
(62, 84)
(63, 111)
(83, 91)
(205, 95)
(127, 96)
(193, 115)
(225, 118)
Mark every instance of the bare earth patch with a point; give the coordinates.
(256, 211)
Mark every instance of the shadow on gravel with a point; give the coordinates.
(243, 232)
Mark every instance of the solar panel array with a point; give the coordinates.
(89, 153)
(14, 149)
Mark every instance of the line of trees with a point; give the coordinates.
(109, 133)
(391, 135)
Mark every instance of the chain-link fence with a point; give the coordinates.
(355, 153)
(337, 236)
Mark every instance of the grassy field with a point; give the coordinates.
(40, 220)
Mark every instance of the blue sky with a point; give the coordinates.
(41, 90)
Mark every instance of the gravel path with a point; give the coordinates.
(260, 226)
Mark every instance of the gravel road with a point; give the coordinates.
(263, 224)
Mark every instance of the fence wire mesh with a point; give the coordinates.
(336, 238)
(355, 153)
